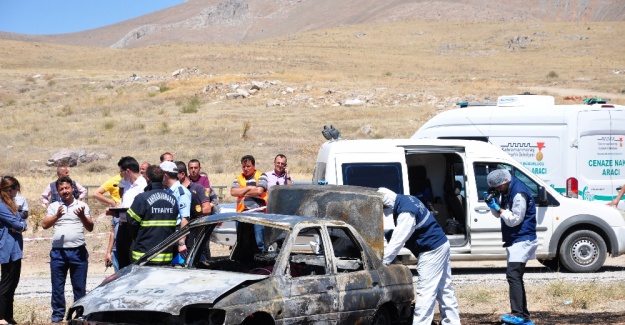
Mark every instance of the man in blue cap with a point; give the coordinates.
(517, 212)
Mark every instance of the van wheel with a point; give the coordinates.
(552, 264)
(583, 251)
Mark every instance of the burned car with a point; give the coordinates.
(338, 278)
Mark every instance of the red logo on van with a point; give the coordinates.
(539, 154)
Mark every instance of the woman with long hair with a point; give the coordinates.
(11, 245)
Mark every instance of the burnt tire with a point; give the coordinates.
(583, 251)
(382, 317)
(552, 264)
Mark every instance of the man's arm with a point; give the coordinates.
(99, 195)
(109, 249)
(239, 191)
(255, 191)
(617, 199)
(83, 191)
(248, 191)
(213, 198)
(406, 224)
(85, 217)
(182, 246)
(52, 216)
(44, 196)
(515, 215)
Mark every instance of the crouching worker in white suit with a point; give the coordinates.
(418, 230)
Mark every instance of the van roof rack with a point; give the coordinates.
(466, 104)
(596, 100)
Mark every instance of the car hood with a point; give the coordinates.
(162, 289)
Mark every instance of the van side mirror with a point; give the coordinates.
(542, 196)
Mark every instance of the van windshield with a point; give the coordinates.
(374, 175)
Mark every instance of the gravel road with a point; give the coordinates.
(489, 273)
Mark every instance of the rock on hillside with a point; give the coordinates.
(234, 21)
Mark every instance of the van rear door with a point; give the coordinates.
(601, 159)
(381, 169)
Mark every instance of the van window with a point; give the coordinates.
(481, 172)
(374, 175)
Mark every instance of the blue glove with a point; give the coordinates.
(493, 205)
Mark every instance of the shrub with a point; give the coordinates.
(163, 88)
(191, 106)
(165, 128)
(67, 110)
(552, 74)
(109, 125)
(247, 125)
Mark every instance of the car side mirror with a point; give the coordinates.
(542, 196)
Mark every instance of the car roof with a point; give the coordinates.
(281, 221)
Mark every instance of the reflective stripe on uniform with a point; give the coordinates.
(162, 257)
(158, 223)
(134, 215)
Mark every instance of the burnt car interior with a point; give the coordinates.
(308, 254)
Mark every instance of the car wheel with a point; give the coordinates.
(583, 251)
(552, 264)
(382, 317)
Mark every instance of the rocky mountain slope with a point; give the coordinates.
(237, 21)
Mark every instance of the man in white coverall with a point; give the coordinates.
(417, 229)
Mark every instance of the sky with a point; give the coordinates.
(67, 16)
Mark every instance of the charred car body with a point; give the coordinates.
(337, 279)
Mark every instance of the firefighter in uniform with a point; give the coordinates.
(153, 216)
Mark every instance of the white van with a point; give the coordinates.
(576, 149)
(575, 234)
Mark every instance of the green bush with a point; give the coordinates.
(552, 74)
(191, 106)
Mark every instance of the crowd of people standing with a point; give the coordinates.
(146, 203)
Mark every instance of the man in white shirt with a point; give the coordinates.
(70, 218)
(133, 184)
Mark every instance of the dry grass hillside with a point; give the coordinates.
(243, 21)
(127, 102)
